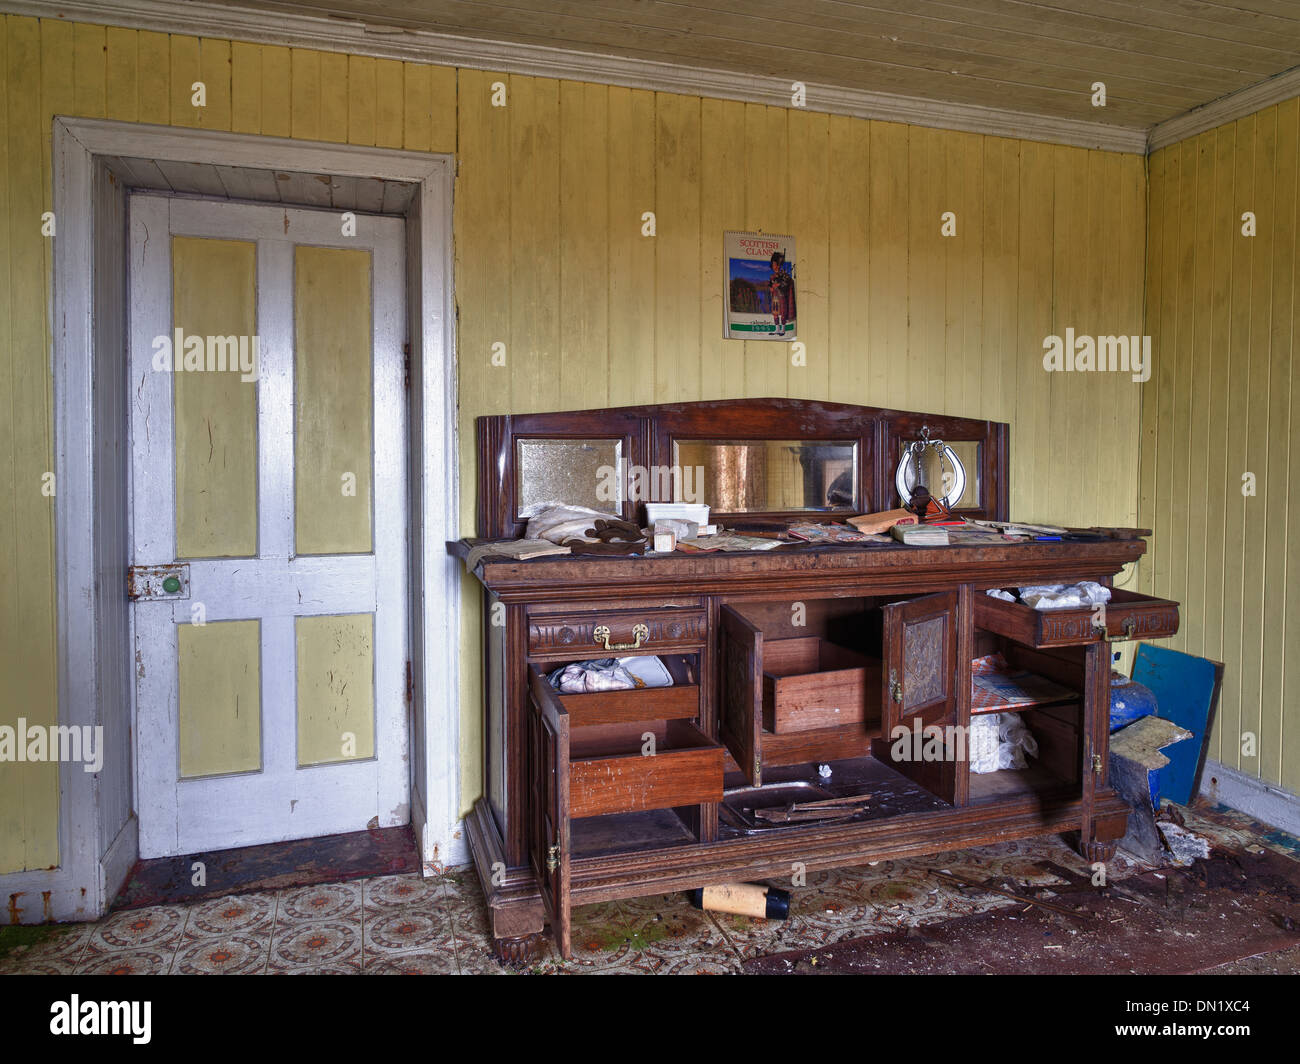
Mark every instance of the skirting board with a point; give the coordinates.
(1256, 797)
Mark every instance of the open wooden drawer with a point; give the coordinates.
(642, 755)
(1128, 615)
(681, 701)
(581, 769)
(787, 698)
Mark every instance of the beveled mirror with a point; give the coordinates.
(767, 476)
(950, 471)
(579, 472)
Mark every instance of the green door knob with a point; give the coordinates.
(171, 585)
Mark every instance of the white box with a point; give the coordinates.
(688, 511)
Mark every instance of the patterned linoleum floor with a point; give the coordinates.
(410, 925)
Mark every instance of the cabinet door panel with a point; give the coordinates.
(920, 691)
(742, 693)
(549, 771)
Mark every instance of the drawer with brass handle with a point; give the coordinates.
(1128, 615)
(607, 633)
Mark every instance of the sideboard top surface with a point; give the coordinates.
(893, 568)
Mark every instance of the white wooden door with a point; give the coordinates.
(268, 523)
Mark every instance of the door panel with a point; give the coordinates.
(220, 698)
(214, 294)
(336, 688)
(742, 693)
(549, 787)
(920, 692)
(270, 689)
(332, 457)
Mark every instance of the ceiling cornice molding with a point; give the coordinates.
(386, 42)
(1225, 109)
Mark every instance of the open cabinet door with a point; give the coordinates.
(920, 691)
(742, 693)
(548, 724)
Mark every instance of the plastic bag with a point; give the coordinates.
(1064, 596)
(1000, 741)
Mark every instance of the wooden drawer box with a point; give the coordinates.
(679, 702)
(576, 633)
(811, 683)
(1128, 616)
(600, 752)
(609, 773)
(650, 703)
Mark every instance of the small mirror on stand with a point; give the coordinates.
(931, 477)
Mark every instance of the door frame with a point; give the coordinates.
(98, 842)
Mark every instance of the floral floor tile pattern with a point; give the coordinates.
(409, 925)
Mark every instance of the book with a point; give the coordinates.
(920, 535)
(883, 521)
(826, 533)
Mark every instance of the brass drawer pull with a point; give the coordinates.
(1130, 628)
(641, 631)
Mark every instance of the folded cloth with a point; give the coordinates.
(1064, 596)
(559, 523)
(610, 674)
(584, 677)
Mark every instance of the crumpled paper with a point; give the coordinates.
(1064, 596)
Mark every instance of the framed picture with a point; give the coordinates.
(760, 297)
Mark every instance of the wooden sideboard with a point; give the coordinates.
(599, 796)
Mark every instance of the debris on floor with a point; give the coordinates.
(1185, 846)
(1173, 921)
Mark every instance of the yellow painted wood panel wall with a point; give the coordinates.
(1218, 423)
(551, 262)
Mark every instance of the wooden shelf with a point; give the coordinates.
(1065, 701)
(1013, 783)
(650, 829)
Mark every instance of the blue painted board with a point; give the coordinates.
(1187, 693)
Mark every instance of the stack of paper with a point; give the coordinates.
(920, 535)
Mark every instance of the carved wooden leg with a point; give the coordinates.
(517, 952)
(1095, 851)
(1092, 850)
